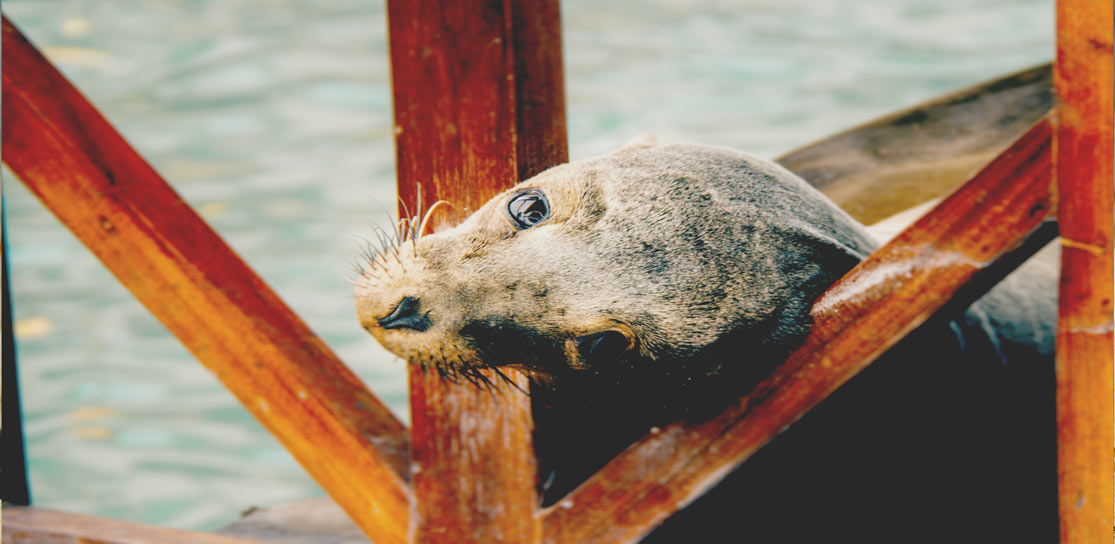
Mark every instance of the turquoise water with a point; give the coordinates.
(273, 119)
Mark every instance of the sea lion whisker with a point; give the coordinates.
(473, 373)
(372, 256)
(406, 210)
(426, 217)
(390, 220)
(390, 247)
(393, 247)
(375, 256)
(402, 229)
(355, 266)
(357, 283)
(382, 236)
(366, 251)
(361, 282)
(474, 376)
(489, 384)
(395, 236)
(508, 380)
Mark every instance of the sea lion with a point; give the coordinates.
(658, 281)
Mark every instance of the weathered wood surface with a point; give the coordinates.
(31, 525)
(882, 167)
(311, 521)
(479, 105)
(88, 176)
(1083, 141)
(874, 306)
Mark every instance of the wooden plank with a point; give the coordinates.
(478, 105)
(1083, 140)
(884, 166)
(30, 525)
(88, 176)
(881, 300)
(474, 477)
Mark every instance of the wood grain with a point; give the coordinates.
(902, 159)
(1083, 140)
(31, 525)
(116, 204)
(479, 105)
(874, 306)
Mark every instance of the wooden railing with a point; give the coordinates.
(102, 190)
(479, 105)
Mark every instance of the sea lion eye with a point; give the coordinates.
(528, 208)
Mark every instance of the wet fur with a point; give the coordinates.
(708, 260)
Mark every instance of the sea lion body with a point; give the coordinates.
(660, 281)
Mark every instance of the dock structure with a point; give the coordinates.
(479, 105)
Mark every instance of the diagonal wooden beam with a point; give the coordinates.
(117, 205)
(479, 105)
(1083, 140)
(876, 304)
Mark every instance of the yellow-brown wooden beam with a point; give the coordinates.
(976, 234)
(479, 105)
(1082, 78)
(73, 160)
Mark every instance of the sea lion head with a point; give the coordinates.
(675, 259)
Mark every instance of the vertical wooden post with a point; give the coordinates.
(1082, 143)
(479, 105)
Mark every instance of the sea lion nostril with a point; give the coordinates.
(602, 346)
(406, 316)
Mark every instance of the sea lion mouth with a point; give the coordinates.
(504, 342)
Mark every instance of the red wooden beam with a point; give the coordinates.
(873, 307)
(72, 159)
(1082, 77)
(479, 105)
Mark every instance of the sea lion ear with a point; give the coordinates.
(645, 139)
